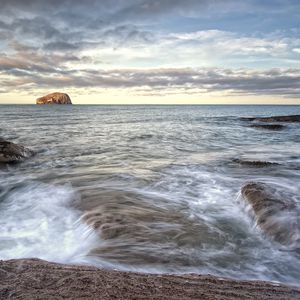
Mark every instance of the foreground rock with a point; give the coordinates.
(37, 279)
(12, 153)
(134, 228)
(292, 118)
(276, 213)
(54, 98)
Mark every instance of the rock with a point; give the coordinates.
(291, 118)
(276, 213)
(11, 153)
(130, 226)
(254, 163)
(54, 98)
(268, 126)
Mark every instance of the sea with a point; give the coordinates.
(146, 188)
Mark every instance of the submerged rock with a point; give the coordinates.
(276, 213)
(54, 98)
(268, 126)
(134, 229)
(254, 163)
(11, 153)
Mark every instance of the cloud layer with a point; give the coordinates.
(159, 47)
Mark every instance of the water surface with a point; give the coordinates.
(145, 188)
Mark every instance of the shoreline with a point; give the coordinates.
(39, 279)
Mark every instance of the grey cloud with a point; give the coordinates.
(37, 27)
(4, 25)
(271, 82)
(126, 33)
(60, 45)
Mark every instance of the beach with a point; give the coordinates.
(36, 279)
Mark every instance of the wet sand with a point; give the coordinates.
(38, 279)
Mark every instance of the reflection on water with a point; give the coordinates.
(151, 189)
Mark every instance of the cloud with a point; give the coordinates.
(150, 46)
(277, 82)
(60, 45)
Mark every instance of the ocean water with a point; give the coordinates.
(146, 188)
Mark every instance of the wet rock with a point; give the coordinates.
(254, 163)
(12, 153)
(268, 126)
(54, 98)
(291, 118)
(276, 213)
(134, 229)
(247, 118)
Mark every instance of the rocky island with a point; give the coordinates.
(54, 98)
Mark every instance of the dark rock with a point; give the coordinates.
(247, 118)
(54, 98)
(268, 126)
(254, 163)
(11, 153)
(276, 213)
(292, 118)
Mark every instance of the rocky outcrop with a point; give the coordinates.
(12, 153)
(128, 224)
(268, 126)
(276, 213)
(54, 98)
(254, 163)
(38, 279)
(291, 118)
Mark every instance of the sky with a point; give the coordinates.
(151, 51)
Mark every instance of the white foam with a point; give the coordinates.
(38, 221)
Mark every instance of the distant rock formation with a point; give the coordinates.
(12, 153)
(54, 98)
(276, 213)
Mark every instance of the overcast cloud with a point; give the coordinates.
(151, 47)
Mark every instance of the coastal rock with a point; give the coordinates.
(276, 213)
(268, 126)
(132, 229)
(12, 153)
(291, 118)
(38, 279)
(54, 98)
(254, 163)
